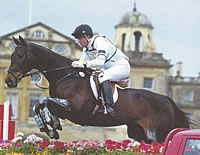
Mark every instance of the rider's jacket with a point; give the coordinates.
(101, 52)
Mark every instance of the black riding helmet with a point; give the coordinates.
(82, 30)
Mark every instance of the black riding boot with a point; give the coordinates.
(106, 88)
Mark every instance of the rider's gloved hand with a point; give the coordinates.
(77, 64)
(85, 64)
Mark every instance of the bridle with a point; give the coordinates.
(21, 71)
(24, 74)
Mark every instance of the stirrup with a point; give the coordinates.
(105, 111)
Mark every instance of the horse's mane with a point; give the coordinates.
(62, 60)
(52, 53)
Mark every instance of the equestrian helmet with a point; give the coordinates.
(82, 30)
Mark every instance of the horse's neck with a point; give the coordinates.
(46, 60)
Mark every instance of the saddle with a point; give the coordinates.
(95, 85)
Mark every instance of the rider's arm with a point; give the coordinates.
(102, 47)
(98, 62)
(84, 57)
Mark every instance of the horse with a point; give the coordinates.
(149, 116)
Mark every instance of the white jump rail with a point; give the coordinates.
(6, 119)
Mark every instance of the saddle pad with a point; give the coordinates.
(95, 92)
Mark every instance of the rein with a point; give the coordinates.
(44, 72)
(56, 69)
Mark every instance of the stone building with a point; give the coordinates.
(149, 70)
(185, 92)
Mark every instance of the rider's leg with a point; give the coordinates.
(106, 88)
(112, 74)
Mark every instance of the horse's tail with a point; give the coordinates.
(182, 119)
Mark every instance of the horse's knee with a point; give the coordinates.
(40, 105)
(44, 100)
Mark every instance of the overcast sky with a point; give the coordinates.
(176, 23)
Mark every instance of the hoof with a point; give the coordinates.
(56, 126)
(59, 127)
(53, 134)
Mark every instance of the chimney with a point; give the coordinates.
(179, 69)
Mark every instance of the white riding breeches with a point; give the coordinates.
(119, 71)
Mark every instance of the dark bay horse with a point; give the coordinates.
(149, 116)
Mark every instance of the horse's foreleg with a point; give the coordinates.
(48, 111)
(52, 120)
(43, 117)
(58, 107)
(39, 120)
(63, 103)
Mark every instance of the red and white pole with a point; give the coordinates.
(7, 126)
(5, 120)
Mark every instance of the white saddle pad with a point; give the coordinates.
(95, 92)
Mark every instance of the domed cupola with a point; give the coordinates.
(134, 33)
(135, 18)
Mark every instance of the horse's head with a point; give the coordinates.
(19, 63)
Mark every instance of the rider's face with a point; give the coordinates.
(83, 41)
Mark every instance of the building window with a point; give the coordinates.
(38, 34)
(12, 98)
(188, 96)
(148, 83)
(11, 46)
(60, 48)
(123, 42)
(136, 41)
(33, 100)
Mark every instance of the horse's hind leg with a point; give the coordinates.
(162, 133)
(136, 132)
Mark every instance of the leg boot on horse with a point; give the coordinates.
(106, 88)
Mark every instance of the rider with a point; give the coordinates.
(98, 51)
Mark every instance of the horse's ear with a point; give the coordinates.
(16, 41)
(22, 40)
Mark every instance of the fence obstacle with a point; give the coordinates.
(7, 126)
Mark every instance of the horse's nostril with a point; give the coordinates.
(9, 83)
